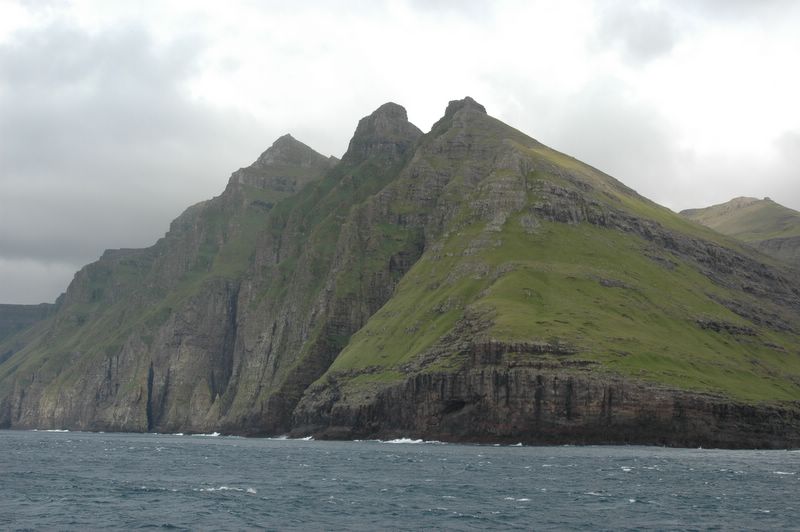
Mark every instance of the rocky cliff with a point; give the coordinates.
(145, 339)
(465, 284)
(544, 403)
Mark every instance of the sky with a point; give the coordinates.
(116, 116)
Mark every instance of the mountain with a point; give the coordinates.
(466, 284)
(14, 318)
(764, 224)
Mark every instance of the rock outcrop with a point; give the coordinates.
(545, 405)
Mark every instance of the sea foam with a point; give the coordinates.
(252, 491)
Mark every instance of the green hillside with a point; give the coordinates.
(764, 224)
(749, 219)
(586, 293)
(577, 290)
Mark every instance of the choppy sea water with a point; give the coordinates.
(74, 480)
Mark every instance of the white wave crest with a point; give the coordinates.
(411, 440)
(230, 488)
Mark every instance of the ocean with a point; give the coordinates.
(80, 481)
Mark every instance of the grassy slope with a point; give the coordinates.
(544, 286)
(749, 219)
(644, 328)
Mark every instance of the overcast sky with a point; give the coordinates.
(115, 116)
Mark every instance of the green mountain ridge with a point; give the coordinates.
(762, 223)
(464, 284)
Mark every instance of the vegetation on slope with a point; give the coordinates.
(574, 290)
(749, 219)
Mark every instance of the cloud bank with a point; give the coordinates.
(115, 117)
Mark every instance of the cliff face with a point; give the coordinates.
(145, 339)
(545, 404)
(467, 284)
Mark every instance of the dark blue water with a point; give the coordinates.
(82, 480)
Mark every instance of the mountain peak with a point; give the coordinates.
(391, 109)
(468, 107)
(465, 103)
(386, 132)
(286, 165)
(730, 206)
(743, 201)
(288, 150)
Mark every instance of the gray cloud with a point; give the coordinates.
(105, 137)
(102, 147)
(627, 140)
(736, 9)
(474, 9)
(636, 145)
(785, 185)
(632, 141)
(641, 31)
(34, 281)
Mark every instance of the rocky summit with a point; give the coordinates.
(465, 284)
